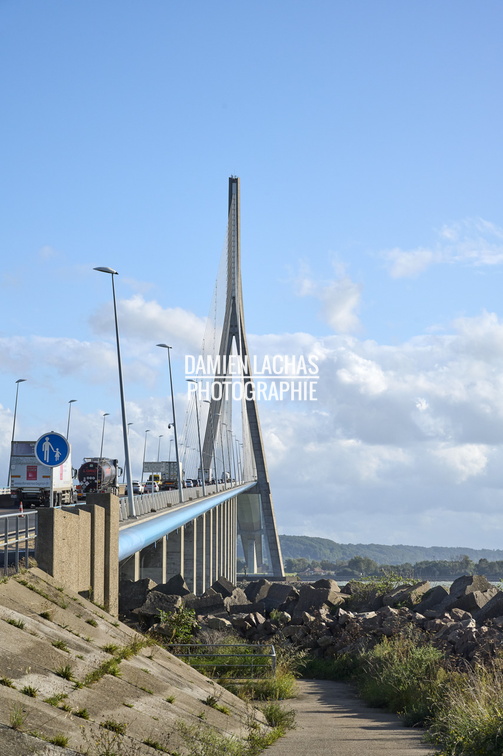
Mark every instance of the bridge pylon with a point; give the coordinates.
(256, 518)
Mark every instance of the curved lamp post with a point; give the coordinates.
(69, 413)
(178, 469)
(191, 380)
(129, 481)
(144, 451)
(105, 415)
(19, 380)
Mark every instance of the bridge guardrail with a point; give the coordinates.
(153, 502)
(18, 533)
(236, 663)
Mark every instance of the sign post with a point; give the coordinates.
(52, 450)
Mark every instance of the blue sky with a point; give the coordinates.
(367, 137)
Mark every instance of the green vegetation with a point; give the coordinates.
(46, 615)
(7, 682)
(82, 713)
(155, 745)
(66, 672)
(61, 645)
(56, 699)
(92, 622)
(213, 702)
(324, 549)
(16, 623)
(117, 727)
(58, 740)
(182, 624)
(30, 691)
(17, 718)
(463, 710)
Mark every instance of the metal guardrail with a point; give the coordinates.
(235, 663)
(153, 502)
(17, 538)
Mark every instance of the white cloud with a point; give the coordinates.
(146, 321)
(340, 298)
(473, 241)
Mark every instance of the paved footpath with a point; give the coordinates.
(332, 721)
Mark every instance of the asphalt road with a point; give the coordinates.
(332, 721)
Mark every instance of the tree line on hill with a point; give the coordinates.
(360, 566)
(324, 549)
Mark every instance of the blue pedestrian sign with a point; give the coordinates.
(52, 449)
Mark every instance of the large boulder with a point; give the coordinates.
(313, 599)
(493, 608)
(406, 594)
(432, 599)
(132, 594)
(176, 586)
(278, 595)
(472, 601)
(223, 586)
(238, 596)
(209, 603)
(468, 584)
(257, 590)
(155, 603)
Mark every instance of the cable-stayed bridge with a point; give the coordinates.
(193, 531)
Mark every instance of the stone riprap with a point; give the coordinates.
(465, 621)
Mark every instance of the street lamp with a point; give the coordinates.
(129, 480)
(124, 471)
(105, 414)
(144, 450)
(215, 472)
(159, 447)
(19, 380)
(69, 412)
(228, 454)
(178, 469)
(191, 380)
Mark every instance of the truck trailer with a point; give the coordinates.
(31, 482)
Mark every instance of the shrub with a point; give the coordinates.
(469, 715)
(30, 691)
(117, 727)
(65, 672)
(402, 674)
(182, 624)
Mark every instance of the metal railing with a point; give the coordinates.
(18, 533)
(153, 502)
(236, 663)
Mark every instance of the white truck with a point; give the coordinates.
(31, 482)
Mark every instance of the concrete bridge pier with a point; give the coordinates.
(202, 550)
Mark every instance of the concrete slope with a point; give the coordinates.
(332, 721)
(48, 633)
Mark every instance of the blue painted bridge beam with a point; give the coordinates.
(136, 536)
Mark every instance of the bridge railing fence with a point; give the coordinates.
(234, 663)
(18, 533)
(153, 502)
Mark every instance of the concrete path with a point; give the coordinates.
(332, 721)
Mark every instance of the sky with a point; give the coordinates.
(367, 139)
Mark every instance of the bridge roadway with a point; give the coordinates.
(196, 538)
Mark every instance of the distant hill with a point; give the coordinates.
(310, 548)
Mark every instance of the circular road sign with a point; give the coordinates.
(52, 449)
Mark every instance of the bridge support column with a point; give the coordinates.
(189, 572)
(130, 568)
(175, 556)
(79, 547)
(209, 565)
(201, 554)
(153, 561)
